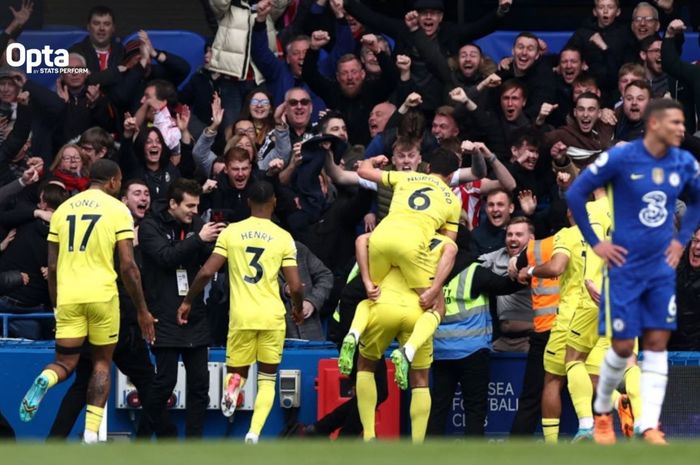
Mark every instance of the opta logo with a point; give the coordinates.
(32, 58)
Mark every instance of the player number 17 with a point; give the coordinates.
(86, 237)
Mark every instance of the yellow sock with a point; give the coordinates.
(632, 384)
(360, 320)
(420, 411)
(423, 330)
(51, 376)
(366, 391)
(580, 389)
(93, 418)
(263, 401)
(550, 430)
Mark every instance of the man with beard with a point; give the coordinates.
(635, 99)
(687, 336)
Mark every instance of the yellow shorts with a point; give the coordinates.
(99, 321)
(404, 248)
(583, 329)
(246, 346)
(555, 352)
(388, 322)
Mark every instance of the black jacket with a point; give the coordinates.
(27, 253)
(687, 336)
(167, 246)
(232, 203)
(9, 280)
(540, 83)
(110, 76)
(686, 73)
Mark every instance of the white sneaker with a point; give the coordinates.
(251, 438)
(230, 397)
(90, 437)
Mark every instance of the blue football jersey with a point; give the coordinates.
(642, 191)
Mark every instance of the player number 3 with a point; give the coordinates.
(255, 264)
(655, 213)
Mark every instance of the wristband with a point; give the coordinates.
(491, 159)
(530, 270)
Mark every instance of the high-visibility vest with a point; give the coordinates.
(545, 291)
(467, 325)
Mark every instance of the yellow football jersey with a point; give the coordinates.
(569, 241)
(395, 289)
(86, 228)
(256, 250)
(601, 221)
(422, 199)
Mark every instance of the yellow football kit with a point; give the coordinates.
(256, 250)
(394, 314)
(421, 204)
(86, 228)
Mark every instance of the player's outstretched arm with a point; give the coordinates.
(370, 169)
(296, 290)
(444, 268)
(362, 257)
(204, 275)
(52, 264)
(339, 175)
(131, 277)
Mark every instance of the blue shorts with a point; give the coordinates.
(631, 304)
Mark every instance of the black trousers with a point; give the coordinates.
(529, 413)
(6, 431)
(131, 357)
(347, 416)
(195, 360)
(472, 373)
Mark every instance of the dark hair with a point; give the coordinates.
(260, 192)
(589, 95)
(443, 162)
(525, 134)
(165, 90)
(54, 195)
(99, 139)
(513, 84)
(527, 35)
(472, 44)
(584, 77)
(132, 182)
(181, 186)
(453, 144)
(647, 42)
(520, 220)
(323, 122)
(140, 146)
(103, 170)
(571, 48)
(661, 105)
(100, 10)
(411, 125)
(644, 85)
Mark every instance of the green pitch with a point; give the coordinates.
(281, 452)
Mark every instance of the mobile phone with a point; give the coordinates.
(218, 216)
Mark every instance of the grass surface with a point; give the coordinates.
(340, 453)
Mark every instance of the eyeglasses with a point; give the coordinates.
(241, 131)
(295, 103)
(259, 101)
(70, 158)
(644, 19)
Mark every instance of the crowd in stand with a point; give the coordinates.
(296, 93)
